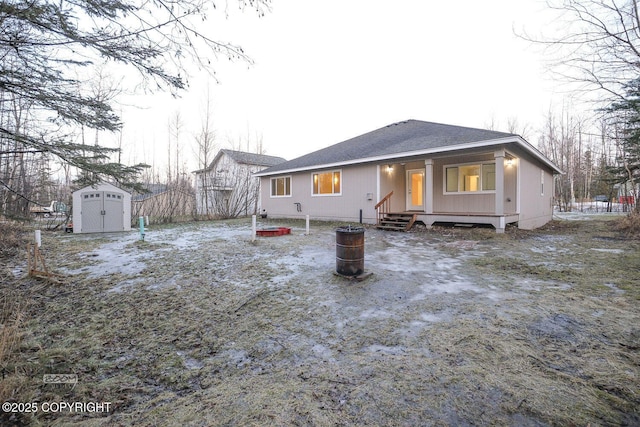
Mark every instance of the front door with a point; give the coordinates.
(415, 190)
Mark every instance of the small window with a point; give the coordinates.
(470, 178)
(325, 183)
(86, 196)
(281, 186)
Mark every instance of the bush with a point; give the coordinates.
(630, 224)
(12, 241)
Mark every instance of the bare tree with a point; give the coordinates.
(235, 190)
(232, 189)
(561, 141)
(513, 126)
(47, 47)
(597, 45)
(206, 145)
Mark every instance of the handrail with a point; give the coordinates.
(385, 203)
(384, 199)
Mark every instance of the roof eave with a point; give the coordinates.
(479, 144)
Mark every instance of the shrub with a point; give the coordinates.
(12, 239)
(630, 224)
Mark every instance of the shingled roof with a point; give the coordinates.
(402, 139)
(244, 158)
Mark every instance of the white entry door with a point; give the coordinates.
(415, 190)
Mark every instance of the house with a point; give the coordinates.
(627, 192)
(228, 187)
(417, 171)
(100, 209)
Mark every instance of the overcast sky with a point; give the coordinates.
(329, 70)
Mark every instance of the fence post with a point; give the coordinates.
(253, 228)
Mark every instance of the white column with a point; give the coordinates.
(499, 156)
(428, 197)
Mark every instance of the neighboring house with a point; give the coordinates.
(164, 203)
(100, 209)
(428, 172)
(228, 187)
(627, 192)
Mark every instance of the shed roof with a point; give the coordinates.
(402, 139)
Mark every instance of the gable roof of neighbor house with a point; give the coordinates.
(401, 140)
(245, 158)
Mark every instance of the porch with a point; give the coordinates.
(404, 220)
(477, 187)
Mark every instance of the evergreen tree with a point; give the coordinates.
(46, 45)
(625, 116)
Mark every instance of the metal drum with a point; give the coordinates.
(350, 250)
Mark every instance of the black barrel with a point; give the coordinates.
(350, 250)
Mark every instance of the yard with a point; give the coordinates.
(200, 326)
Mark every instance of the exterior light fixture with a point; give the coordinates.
(389, 168)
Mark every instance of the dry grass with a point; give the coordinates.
(630, 224)
(11, 313)
(227, 334)
(12, 245)
(12, 240)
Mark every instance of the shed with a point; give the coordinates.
(101, 209)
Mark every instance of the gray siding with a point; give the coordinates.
(467, 202)
(356, 182)
(522, 201)
(536, 207)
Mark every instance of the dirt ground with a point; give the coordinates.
(200, 326)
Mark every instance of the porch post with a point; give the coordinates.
(499, 156)
(377, 183)
(428, 175)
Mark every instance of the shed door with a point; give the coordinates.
(113, 211)
(102, 211)
(92, 221)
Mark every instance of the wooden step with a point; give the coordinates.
(397, 221)
(391, 228)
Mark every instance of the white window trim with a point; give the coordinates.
(271, 195)
(457, 165)
(328, 194)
